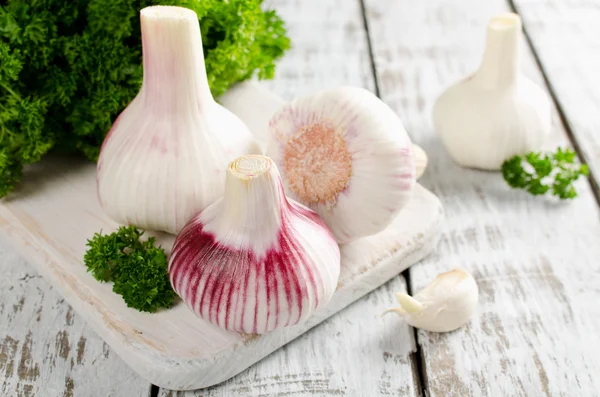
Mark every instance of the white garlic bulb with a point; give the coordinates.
(346, 155)
(254, 260)
(497, 112)
(165, 156)
(444, 305)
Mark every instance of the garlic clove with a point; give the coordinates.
(254, 260)
(163, 159)
(444, 305)
(346, 155)
(497, 112)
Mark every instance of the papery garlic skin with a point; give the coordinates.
(446, 304)
(421, 161)
(164, 158)
(255, 261)
(346, 155)
(497, 112)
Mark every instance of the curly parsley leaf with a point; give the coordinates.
(138, 268)
(540, 173)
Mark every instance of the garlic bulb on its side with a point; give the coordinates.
(164, 158)
(254, 261)
(444, 305)
(346, 155)
(497, 112)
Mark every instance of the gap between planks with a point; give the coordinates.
(564, 120)
(416, 358)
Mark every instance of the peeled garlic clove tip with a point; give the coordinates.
(408, 303)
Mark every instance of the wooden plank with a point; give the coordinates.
(355, 352)
(48, 350)
(330, 49)
(566, 37)
(535, 260)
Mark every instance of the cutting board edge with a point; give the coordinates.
(185, 374)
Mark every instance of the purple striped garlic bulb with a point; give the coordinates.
(254, 260)
(164, 157)
(346, 155)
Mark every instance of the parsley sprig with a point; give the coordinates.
(138, 268)
(540, 173)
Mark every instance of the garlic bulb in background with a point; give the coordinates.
(444, 305)
(346, 155)
(497, 112)
(254, 261)
(165, 156)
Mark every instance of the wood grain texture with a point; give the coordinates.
(535, 259)
(46, 349)
(566, 37)
(354, 353)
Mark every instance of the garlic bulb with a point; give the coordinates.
(346, 155)
(254, 261)
(444, 305)
(497, 112)
(164, 157)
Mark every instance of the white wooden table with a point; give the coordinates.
(537, 262)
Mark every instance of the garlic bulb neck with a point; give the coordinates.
(174, 72)
(500, 64)
(253, 199)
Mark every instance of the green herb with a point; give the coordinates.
(553, 172)
(69, 67)
(138, 268)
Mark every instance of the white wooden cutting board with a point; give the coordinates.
(55, 210)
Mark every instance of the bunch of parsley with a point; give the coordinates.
(540, 173)
(138, 268)
(69, 67)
